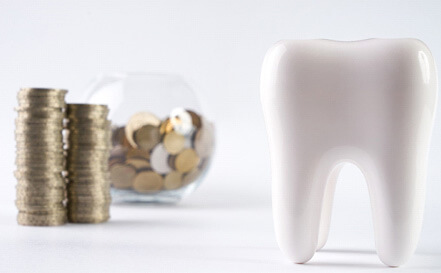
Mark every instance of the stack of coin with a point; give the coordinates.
(88, 151)
(150, 155)
(40, 157)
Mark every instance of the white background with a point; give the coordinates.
(226, 226)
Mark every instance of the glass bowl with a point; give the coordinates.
(162, 143)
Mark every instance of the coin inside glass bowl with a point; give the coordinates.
(162, 156)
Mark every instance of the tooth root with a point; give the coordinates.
(325, 219)
(296, 208)
(397, 199)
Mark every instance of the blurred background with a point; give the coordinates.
(218, 47)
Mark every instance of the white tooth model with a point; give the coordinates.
(367, 102)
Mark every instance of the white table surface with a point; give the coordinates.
(208, 232)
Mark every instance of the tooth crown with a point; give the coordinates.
(368, 102)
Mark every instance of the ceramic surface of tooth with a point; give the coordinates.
(368, 102)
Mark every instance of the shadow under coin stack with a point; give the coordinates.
(88, 152)
(40, 157)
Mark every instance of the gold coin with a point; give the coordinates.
(137, 121)
(88, 188)
(35, 175)
(86, 155)
(119, 137)
(138, 163)
(118, 151)
(88, 173)
(87, 146)
(38, 131)
(166, 127)
(39, 144)
(186, 160)
(191, 177)
(35, 192)
(94, 180)
(42, 182)
(42, 102)
(121, 176)
(173, 180)
(99, 155)
(28, 95)
(26, 219)
(42, 162)
(48, 117)
(96, 160)
(32, 200)
(29, 205)
(39, 110)
(32, 115)
(87, 117)
(116, 160)
(96, 194)
(35, 102)
(91, 200)
(32, 91)
(87, 107)
(81, 189)
(84, 130)
(39, 188)
(174, 142)
(48, 212)
(133, 152)
(88, 132)
(195, 118)
(87, 110)
(41, 168)
(98, 141)
(82, 210)
(87, 165)
(88, 219)
(91, 145)
(147, 181)
(147, 137)
(29, 155)
(99, 169)
(85, 123)
(79, 209)
(41, 131)
(55, 123)
(31, 137)
(80, 184)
